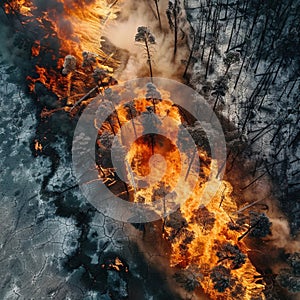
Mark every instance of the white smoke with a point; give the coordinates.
(142, 13)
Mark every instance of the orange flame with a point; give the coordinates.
(78, 30)
(35, 49)
(38, 146)
(194, 247)
(18, 6)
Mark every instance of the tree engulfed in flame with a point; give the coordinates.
(207, 243)
(204, 241)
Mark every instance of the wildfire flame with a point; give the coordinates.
(196, 244)
(78, 30)
(38, 146)
(18, 6)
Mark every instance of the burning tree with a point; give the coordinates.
(103, 78)
(121, 162)
(189, 279)
(110, 123)
(150, 123)
(131, 114)
(89, 60)
(221, 278)
(231, 253)
(205, 218)
(153, 95)
(259, 225)
(176, 222)
(145, 37)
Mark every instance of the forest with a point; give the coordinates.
(150, 150)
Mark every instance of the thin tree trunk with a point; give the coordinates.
(132, 122)
(190, 164)
(253, 181)
(240, 72)
(208, 60)
(175, 27)
(149, 59)
(240, 23)
(295, 81)
(205, 33)
(233, 26)
(259, 50)
(226, 10)
(257, 12)
(277, 71)
(158, 14)
(190, 56)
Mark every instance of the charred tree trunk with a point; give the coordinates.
(175, 27)
(191, 55)
(259, 47)
(208, 61)
(233, 26)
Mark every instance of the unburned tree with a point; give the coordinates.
(145, 37)
(158, 13)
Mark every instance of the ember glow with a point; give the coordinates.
(199, 245)
(19, 6)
